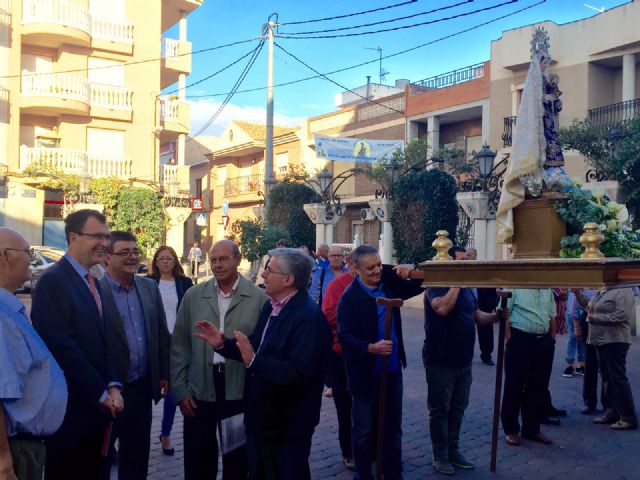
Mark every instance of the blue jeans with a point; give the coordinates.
(168, 414)
(364, 416)
(573, 345)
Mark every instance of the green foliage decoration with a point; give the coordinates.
(423, 203)
(106, 191)
(248, 235)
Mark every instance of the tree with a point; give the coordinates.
(106, 191)
(55, 179)
(139, 210)
(286, 212)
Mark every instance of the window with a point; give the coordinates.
(198, 188)
(282, 163)
(105, 72)
(222, 175)
(105, 143)
(114, 9)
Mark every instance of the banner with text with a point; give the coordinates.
(355, 149)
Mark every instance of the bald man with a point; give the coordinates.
(207, 387)
(33, 391)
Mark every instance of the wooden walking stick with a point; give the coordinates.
(389, 304)
(504, 296)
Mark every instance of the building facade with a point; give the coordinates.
(81, 94)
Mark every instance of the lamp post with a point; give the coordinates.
(484, 159)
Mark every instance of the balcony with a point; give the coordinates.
(111, 34)
(75, 162)
(55, 93)
(507, 132)
(50, 23)
(176, 59)
(4, 105)
(244, 184)
(175, 115)
(171, 11)
(110, 101)
(617, 113)
(453, 78)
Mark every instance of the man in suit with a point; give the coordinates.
(139, 342)
(207, 387)
(285, 358)
(360, 332)
(67, 312)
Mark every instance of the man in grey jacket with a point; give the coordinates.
(207, 387)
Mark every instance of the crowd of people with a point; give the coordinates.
(247, 364)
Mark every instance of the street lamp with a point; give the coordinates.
(485, 158)
(324, 180)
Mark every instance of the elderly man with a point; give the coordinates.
(361, 335)
(207, 387)
(322, 276)
(322, 256)
(67, 312)
(33, 392)
(450, 315)
(285, 358)
(528, 361)
(139, 342)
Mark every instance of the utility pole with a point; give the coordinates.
(269, 180)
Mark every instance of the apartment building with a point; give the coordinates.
(238, 168)
(80, 84)
(597, 60)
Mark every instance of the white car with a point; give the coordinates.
(44, 257)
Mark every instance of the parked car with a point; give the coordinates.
(44, 257)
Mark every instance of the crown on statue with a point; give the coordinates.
(540, 43)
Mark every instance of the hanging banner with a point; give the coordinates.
(355, 149)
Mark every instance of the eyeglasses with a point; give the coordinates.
(127, 253)
(165, 259)
(269, 271)
(96, 236)
(29, 251)
(223, 259)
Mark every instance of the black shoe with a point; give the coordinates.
(166, 451)
(580, 371)
(488, 361)
(587, 410)
(549, 421)
(555, 412)
(568, 372)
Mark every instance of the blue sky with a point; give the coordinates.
(221, 22)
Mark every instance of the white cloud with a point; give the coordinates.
(202, 110)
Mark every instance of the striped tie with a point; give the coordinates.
(94, 291)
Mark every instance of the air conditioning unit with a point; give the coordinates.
(367, 214)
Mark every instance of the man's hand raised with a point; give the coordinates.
(210, 334)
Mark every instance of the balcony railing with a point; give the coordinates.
(58, 85)
(244, 184)
(75, 162)
(170, 47)
(111, 96)
(169, 110)
(454, 77)
(507, 133)
(168, 173)
(120, 31)
(617, 113)
(59, 12)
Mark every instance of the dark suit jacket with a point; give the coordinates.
(182, 285)
(358, 327)
(283, 387)
(65, 315)
(158, 338)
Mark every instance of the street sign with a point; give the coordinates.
(225, 207)
(201, 219)
(225, 221)
(196, 204)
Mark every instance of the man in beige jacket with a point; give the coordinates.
(207, 387)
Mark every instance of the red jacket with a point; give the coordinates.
(330, 301)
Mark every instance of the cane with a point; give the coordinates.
(389, 304)
(504, 296)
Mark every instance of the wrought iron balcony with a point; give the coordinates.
(244, 184)
(454, 77)
(616, 113)
(507, 133)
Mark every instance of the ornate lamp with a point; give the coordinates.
(324, 180)
(485, 158)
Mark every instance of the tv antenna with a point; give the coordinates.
(381, 71)
(599, 10)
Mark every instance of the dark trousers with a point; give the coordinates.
(485, 341)
(77, 457)
(132, 428)
(279, 459)
(342, 400)
(168, 414)
(528, 361)
(28, 457)
(364, 414)
(447, 398)
(590, 380)
(612, 359)
(201, 443)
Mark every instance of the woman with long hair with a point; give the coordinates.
(172, 282)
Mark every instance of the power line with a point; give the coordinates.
(138, 62)
(336, 83)
(217, 72)
(403, 27)
(401, 52)
(350, 14)
(230, 95)
(381, 21)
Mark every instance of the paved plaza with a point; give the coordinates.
(581, 450)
